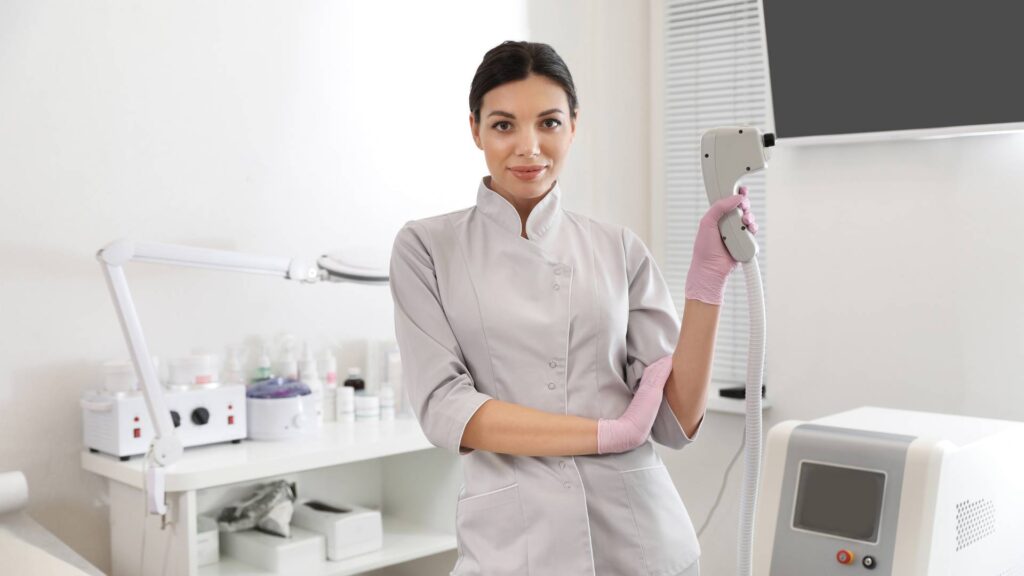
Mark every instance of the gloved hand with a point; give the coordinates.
(634, 426)
(712, 263)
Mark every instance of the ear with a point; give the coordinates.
(572, 125)
(475, 129)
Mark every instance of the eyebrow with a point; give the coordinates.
(513, 116)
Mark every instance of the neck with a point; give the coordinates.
(522, 205)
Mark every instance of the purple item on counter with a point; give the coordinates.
(277, 388)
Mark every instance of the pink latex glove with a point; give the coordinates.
(712, 263)
(634, 426)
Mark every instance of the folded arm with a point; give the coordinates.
(513, 429)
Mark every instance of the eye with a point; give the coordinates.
(502, 126)
(551, 123)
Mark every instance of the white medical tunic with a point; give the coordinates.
(564, 321)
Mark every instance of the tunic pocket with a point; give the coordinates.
(491, 534)
(665, 532)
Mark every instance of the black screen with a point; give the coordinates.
(854, 66)
(843, 502)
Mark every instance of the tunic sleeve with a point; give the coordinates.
(652, 332)
(434, 372)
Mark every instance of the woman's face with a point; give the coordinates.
(525, 131)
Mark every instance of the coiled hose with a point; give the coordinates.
(752, 456)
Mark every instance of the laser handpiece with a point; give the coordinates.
(727, 155)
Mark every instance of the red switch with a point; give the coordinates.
(844, 557)
(138, 433)
(231, 419)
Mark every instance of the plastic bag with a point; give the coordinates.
(269, 509)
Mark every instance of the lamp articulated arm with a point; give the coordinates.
(166, 447)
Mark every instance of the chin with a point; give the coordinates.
(532, 189)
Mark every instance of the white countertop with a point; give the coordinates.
(215, 465)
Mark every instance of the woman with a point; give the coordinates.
(542, 346)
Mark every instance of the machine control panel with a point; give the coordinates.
(837, 512)
(119, 424)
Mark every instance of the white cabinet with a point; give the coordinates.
(387, 465)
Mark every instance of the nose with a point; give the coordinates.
(528, 144)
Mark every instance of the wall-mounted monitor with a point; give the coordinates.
(857, 70)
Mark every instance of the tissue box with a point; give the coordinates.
(207, 541)
(349, 530)
(303, 553)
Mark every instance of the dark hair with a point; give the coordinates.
(512, 61)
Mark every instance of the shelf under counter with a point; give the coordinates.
(403, 542)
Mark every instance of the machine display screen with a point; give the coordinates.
(844, 502)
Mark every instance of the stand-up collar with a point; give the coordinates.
(541, 219)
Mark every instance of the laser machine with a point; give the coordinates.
(892, 492)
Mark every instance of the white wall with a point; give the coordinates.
(285, 128)
(606, 48)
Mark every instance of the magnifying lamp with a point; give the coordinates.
(166, 447)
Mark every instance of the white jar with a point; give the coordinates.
(367, 407)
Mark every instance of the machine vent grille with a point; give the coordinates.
(975, 520)
(1018, 571)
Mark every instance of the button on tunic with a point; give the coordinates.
(564, 321)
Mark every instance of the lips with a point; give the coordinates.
(528, 172)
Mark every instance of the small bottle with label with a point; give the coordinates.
(263, 371)
(387, 403)
(355, 380)
(330, 388)
(395, 381)
(233, 373)
(346, 404)
(330, 369)
(308, 376)
(288, 366)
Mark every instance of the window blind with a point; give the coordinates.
(714, 75)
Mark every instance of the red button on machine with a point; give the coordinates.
(137, 433)
(844, 557)
(231, 419)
